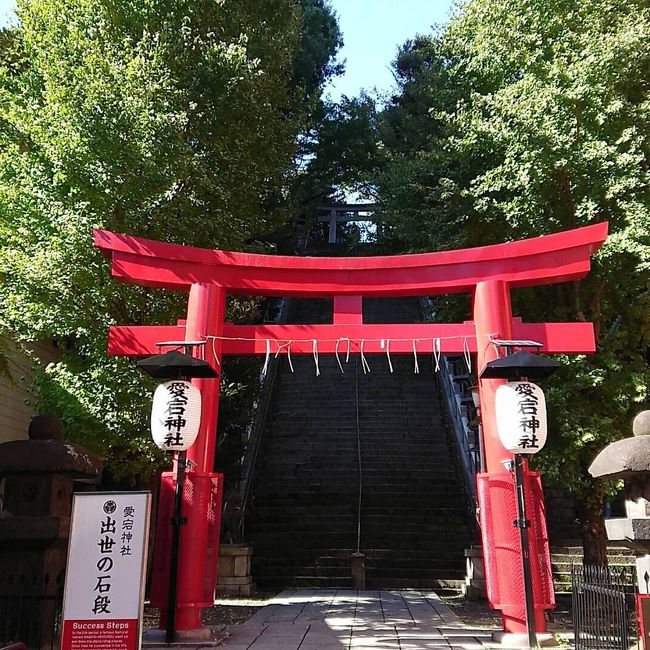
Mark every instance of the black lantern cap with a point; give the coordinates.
(174, 364)
(518, 365)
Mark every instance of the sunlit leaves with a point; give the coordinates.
(170, 119)
(543, 124)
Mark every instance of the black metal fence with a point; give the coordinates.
(30, 610)
(601, 606)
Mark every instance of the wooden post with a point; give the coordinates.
(332, 226)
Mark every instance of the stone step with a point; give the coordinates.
(419, 531)
(425, 453)
(320, 542)
(277, 488)
(369, 470)
(375, 533)
(405, 564)
(564, 565)
(306, 482)
(433, 520)
(434, 460)
(383, 431)
(373, 475)
(444, 586)
(430, 515)
(577, 551)
(562, 557)
(341, 557)
(373, 507)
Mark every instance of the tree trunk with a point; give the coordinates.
(592, 527)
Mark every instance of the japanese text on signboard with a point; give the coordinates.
(108, 536)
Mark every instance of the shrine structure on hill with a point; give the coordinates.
(487, 273)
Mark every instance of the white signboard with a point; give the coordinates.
(104, 583)
(521, 417)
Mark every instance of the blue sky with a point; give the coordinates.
(372, 32)
(6, 9)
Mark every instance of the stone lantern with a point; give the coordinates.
(37, 479)
(629, 459)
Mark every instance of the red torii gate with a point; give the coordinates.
(487, 272)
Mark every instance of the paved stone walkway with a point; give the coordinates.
(354, 620)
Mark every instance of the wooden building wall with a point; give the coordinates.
(15, 397)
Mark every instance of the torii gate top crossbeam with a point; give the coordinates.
(558, 257)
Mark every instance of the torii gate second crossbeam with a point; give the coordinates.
(487, 273)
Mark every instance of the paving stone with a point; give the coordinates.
(420, 632)
(373, 642)
(349, 620)
(422, 610)
(461, 630)
(395, 609)
(317, 607)
(444, 611)
(244, 634)
(262, 615)
(465, 641)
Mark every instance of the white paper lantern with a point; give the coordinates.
(521, 417)
(176, 415)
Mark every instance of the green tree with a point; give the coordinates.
(548, 130)
(338, 154)
(420, 176)
(171, 119)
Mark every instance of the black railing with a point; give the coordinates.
(601, 613)
(460, 409)
(455, 380)
(30, 610)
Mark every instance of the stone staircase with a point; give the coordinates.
(303, 519)
(562, 557)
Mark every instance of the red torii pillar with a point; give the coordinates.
(488, 273)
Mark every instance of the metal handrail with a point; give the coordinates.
(459, 421)
(460, 426)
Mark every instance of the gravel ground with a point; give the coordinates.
(226, 610)
(478, 613)
(473, 612)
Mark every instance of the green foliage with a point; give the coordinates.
(421, 177)
(339, 154)
(524, 118)
(174, 120)
(557, 93)
(320, 38)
